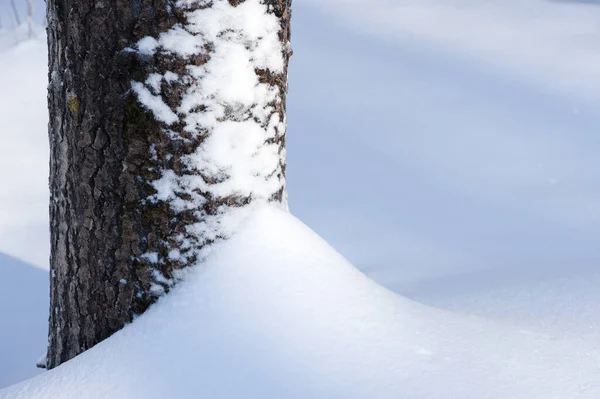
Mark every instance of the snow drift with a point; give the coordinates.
(275, 312)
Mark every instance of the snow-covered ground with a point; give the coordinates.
(277, 313)
(23, 319)
(448, 149)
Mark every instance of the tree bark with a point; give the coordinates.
(138, 192)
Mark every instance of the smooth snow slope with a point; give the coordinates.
(277, 313)
(23, 319)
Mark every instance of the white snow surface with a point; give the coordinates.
(275, 312)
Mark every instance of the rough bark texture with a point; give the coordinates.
(106, 151)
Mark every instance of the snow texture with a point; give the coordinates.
(276, 312)
(227, 106)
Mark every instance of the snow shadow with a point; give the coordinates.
(23, 319)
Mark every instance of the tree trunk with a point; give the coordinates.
(167, 125)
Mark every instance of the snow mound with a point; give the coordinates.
(275, 312)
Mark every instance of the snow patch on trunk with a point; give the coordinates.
(229, 117)
(226, 102)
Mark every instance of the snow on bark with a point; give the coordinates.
(230, 112)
